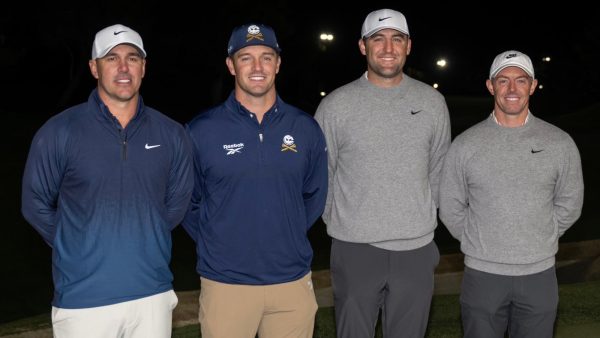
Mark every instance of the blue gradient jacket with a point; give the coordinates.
(106, 199)
(258, 190)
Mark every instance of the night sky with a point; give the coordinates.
(44, 49)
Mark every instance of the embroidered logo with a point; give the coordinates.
(536, 150)
(254, 33)
(288, 144)
(235, 148)
(152, 146)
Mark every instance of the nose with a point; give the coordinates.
(388, 46)
(123, 66)
(257, 64)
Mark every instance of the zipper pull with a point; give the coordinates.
(260, 136)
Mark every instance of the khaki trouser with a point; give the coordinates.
(285, 310)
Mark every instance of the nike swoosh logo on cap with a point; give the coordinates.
(387, 17)
(119, 32)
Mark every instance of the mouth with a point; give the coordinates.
(257, 77)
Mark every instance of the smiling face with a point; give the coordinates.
(254, 68)
(511, 88)
(386, 53)
(119, 73)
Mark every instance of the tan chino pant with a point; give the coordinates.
(285, 310)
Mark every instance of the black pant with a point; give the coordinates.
(525, 305)
(366, 279)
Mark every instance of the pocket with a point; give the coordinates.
(173, 298)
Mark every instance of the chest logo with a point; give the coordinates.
(288, 144)
(235, 148)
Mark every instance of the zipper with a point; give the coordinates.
(123, 135)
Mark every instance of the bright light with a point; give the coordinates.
(326, 37)
(546, 59)
(441, 63)
(435, 85)
(322, 93)
(541, 86)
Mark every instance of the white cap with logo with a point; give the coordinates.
(382, 19)
(114, 35)
(511, 58)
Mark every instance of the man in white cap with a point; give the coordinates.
(511, 186)
(387, 135)
(105, 183)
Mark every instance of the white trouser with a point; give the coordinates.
(148, 317)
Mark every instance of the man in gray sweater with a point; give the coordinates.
(511, 186)
(387, 135)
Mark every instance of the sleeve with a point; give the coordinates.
(181, 180)
(437, 151)
(42, 179)
(314, 189)
(568, 192)
(191, 221)
(323, 119)
(453, 196)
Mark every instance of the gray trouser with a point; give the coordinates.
(525, 305)
(366, 279)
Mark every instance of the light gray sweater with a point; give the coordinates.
(508, 194)
(385, 152)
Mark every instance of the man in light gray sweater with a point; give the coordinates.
(387, 135)
(511, 186)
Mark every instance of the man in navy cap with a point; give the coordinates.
(261, 183)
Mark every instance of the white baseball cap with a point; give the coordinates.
(382, 19)
(512, 58)
(114, 35)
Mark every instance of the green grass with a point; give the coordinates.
(578, 316)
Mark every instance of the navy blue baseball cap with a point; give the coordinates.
(251, 35)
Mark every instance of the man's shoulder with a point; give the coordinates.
(422, 89)
(341, 97)
(549, 132)
(474, 135)
(162, 117)
(207, 117)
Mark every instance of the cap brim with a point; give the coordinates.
(368, 34)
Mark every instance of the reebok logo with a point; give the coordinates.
(152, 146)
(119, 32)
(414, 112)
(235, 148)
(536, 151)
(387, 17)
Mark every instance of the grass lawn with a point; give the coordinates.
(578, 316)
